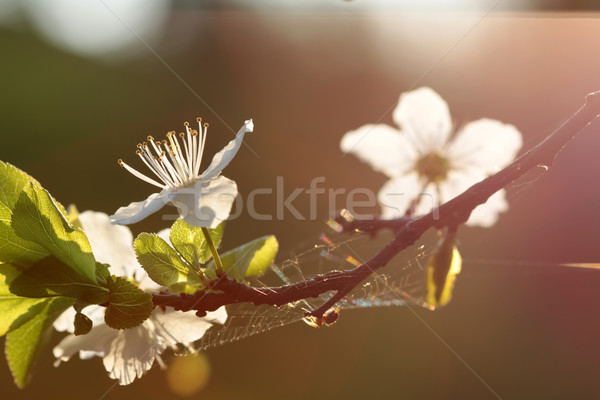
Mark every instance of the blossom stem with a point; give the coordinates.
(213, 250)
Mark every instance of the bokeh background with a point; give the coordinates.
(83, 82)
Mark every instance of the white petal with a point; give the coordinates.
(486, 145)
(132, 353)
(185, 327)
(384, 148)
(97, 342)
(164, 234)
(137, 211)
(207, 203)
(397, 194)
(64, 323)
(484, 215)
(111, 244)
(224, 157)
(425, 119)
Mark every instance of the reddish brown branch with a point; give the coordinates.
(408, 231)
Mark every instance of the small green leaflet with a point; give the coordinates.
(128, 306)
(250, 259)
(83, 324)
(190, 242)
(14, 310)
(442, 269)
(24, 344)
(163, 264)
(13, 249)
(50, 277)
(37, 218)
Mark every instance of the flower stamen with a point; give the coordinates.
(175, 164)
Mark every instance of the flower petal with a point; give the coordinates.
(224, 157)
(111, 244)
(398, 193)
(64, 323)
(206, 204)
(137, 211)
(486, 145)
(484, 215)
(97, 342)
(185, 327)
(384, 148)
(425, 119)
(165, 234)
(132, 353)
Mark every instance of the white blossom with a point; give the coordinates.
(203, 200)
(128, 353)
(427, 164)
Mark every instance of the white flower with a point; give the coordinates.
(202, 200)
(427, 166)
(127, 354)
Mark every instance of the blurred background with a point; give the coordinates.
(84, 82)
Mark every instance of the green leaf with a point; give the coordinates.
(14, 310)
(443, 267)
(190, 242)
(72, 214)
(163, 264)
(250, 259)
(26, 343)
(128, 306)
(50, 277)
(13, 249)
(37, 218)
(83, 324)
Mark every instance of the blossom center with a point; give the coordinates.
(175, 161)
(433, 167)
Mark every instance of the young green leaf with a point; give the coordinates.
(128, 306)
(13, 249)
(14, 310)
(250, 259)
(24, 344)
(37, 218)
(442, 269)
(190, 242)
(50, 277)
(83, 324)
(163, 264)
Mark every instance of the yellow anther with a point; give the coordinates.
(199, 119)
(186, 123)
(206, 124)
(120, 162)
(150, 138)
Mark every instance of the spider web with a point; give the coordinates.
(402, 281)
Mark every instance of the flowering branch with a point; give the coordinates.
(407, 231)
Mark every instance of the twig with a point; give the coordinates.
(408, 230)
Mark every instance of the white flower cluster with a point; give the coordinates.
(203, 200)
